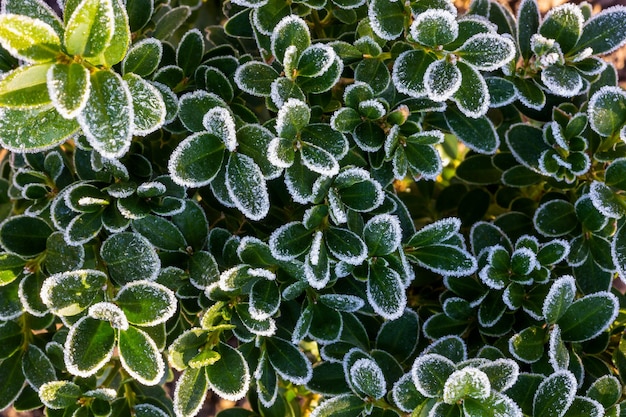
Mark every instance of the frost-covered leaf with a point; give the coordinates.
(562, 80)
(555, 394)
(528, 345)
(315, 60)
(318, 160)
(120, 41)
(468, 382)
(430, 373)
(487, 51)
(34, 130)
(472, 97)
(589, 316)
(69, 293)
(496, 404)
(555, 218)
(196, 160)
(526, 144)
(345, 245)
(607, 110)
(149, 109)
(345, 405)
(527, 25)
(385, 291)
(444, 259)
(288, 361)
(435, 27)
(171, 20)
(36, 9)
(441, 80)
(246, 186)
(292, 117)
(143, 57)
(29, 38)
(404, 394)
(229, 377)
(290, 31)
(606, 390)
(477, 133)
(37, 367)
(357, 190)
(386, 18)
(190, 51)
(140, 356)
(502, 373)
(603, 33)
(436, 232)
(68, 87)
(564, 24)
(382, 234)
(59, 394)
(219, 122)
(24, 235)
(130, 257)
(408, 72)
(190, 392)
(255, 78)
(194, 105)
(107, 116)
(317, 263)
(89, 29)
(289, 241)
(25, 87)
(146, 303)
(368, 378)
(559, 298)
(89, 346)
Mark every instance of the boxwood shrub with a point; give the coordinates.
(313, 207)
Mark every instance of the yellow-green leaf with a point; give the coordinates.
(25, 87)
(29, 39)
(90, 28)
(68, 86)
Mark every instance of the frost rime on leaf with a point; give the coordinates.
(220, 123)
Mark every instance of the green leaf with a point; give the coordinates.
(436, 232)
(430, 373)
(190, 392)
(589, 316)
(444, 259)
(190, 51)
(441, 80)
(603, 33)
(606, 390)
(288, 361)
(607, 110)
(466, 383)
(562, 80)
(37, 368)
(487, 51)
(357, 190)
(146, 303)
(527, 25)
(423, 160)
(196, 160)
(527, 145)
(345, 245)
(472, 97)
(59, 394)
(90, 27)
(373, 72)
(69, 293)
(29, 39)
(564, 24)
(36, 9)
(229, 377)
(246, 186)
(160, 232)
(69, 87)
(148, 106)
(107, 117)
(368, 378)
(264, 299)
(118, 46)
(496, 404)
(290, 240)
(194, 106)
(291, 31)
(130, 257)
(255, 78)
(559, 298)
(555, 218)
(315, 60)
(345, 405)
(143, 57)
(555, 395)
(387, 18)
(24, 235)
(586, 407)
(478, 169)
(382, 234)
(385, 291)
(89, 346)
(193, 224)
(11, 267)
(34, 130)
(170, 21)
(435, 27)
(409, 70)
(140, 356)
(25, 87)
(527, 345)
(404, 394)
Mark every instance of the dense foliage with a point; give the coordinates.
(343, 207)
